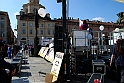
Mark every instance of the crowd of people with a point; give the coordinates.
(7, 70)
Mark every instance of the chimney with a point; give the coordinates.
(48, 15)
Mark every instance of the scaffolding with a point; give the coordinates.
(84, 50)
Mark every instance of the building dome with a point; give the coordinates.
(33, 1)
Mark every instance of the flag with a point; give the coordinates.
(80, 24)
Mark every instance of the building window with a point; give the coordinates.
(53, 25)
(53, 32)
(31, 24)
(23, 31)
(2, 24)
(2, 18)
(2, 31)
(23, 24)
(42, 25)
(26, 11)
(31, 32)
(34, 10)
(41, 32)
(48, 25)
(48, 32)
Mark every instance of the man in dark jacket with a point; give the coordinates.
(6, 69)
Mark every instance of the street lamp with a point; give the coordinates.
(117, 29)
(42, 13)
(101, 38)
(118, 33)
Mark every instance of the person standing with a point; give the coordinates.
(69, 41)
(84, 25)
(6, 69)
(118, 57)
(23, 46)
(9, 51)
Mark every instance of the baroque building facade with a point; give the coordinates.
(6, 32)
(26, 24)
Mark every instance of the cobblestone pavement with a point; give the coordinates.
(29, 72)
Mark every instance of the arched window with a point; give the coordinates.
(23, 39)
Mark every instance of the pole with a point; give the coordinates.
(65, 38)
(36, 40)
(27, 33)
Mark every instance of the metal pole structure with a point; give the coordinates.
(65, 39)
(27, 31)
(36, 40)
(65, 63)
(64, 33)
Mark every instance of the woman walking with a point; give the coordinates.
(118, 57)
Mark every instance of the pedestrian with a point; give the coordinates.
(118, 57)
(6, 69)
(9, 51)
(84, 25)
(69, 41)
(23, 46)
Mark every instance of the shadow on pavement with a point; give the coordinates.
(21, 80)
(25, 67)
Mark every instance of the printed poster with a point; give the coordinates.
(50, 55)
(43, 51)
(56, 65)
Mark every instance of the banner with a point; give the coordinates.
(43, 51)
(50, 55)
(56, 65)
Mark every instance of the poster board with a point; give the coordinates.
(80, 38)
(56, 65)
(43, 51)
(50, 55)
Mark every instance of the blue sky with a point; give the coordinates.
(104, 10)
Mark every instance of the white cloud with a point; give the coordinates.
(16, 13)
(99, 19)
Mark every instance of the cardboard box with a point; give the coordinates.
(50, 78)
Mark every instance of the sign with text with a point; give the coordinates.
(43, 51)
(56, 65)
(50, 55)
